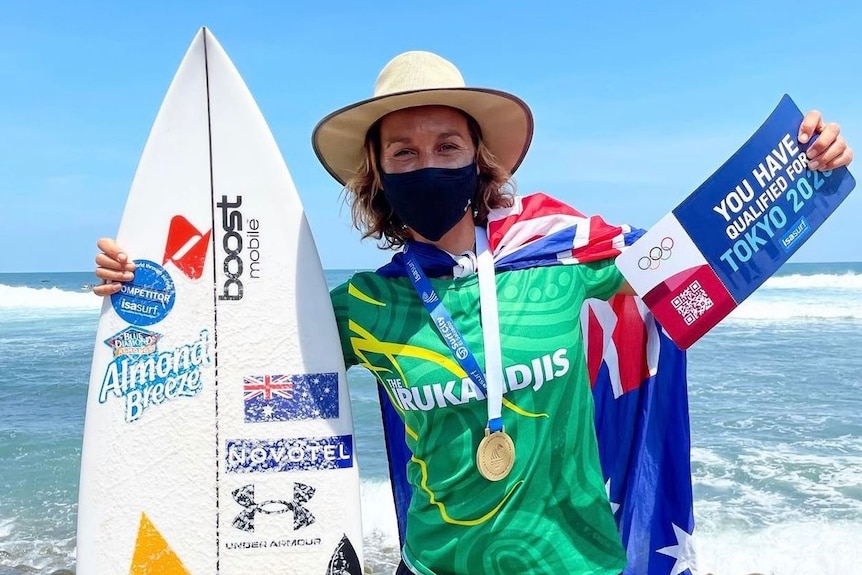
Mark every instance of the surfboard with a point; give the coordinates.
(218, 435)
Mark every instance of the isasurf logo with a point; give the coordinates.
(187, 247)
(302, 517)
(241, 243)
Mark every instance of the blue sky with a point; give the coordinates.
(636, 103)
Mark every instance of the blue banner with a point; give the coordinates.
(758, 208)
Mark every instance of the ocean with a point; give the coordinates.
(775, 396)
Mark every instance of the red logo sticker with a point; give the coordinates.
(187, 247)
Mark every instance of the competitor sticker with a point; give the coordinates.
(147, 299)
(290, 397)
(262, 455)
(133, 341)
(144, 381)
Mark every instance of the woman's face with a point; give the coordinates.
(425, 137)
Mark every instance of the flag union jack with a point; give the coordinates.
(641, 409)
(290, 397)
(267, 386)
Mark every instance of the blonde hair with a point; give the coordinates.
(375, 218)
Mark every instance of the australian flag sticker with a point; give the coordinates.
(290, 397)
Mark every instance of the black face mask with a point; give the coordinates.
(431, 200)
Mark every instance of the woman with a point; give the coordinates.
(499, 484)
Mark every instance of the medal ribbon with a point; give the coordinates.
(490, 327)
(452, 337)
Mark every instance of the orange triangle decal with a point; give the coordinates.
(153, 555)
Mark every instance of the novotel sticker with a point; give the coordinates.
(149, 298)
(295, 454)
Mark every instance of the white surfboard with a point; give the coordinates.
(218, 435)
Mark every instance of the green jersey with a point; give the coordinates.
(551, 513)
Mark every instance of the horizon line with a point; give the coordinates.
(357, 270)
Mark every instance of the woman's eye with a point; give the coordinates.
(402, 153)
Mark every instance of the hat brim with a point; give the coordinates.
(505, 120)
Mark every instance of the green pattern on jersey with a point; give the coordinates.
(551, 514)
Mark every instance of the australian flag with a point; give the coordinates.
(639, 385)
(290, 397)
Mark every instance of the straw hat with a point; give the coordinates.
(422, 79)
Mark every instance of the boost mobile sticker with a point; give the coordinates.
(149, 298)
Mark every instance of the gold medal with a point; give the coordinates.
(495, 455)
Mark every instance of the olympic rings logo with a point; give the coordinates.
(657, 254)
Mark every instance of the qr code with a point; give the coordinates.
(692, 302)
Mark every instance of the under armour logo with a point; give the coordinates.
(302, 517)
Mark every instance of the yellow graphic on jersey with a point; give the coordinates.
(365, 343)
(442, 507)
(354, 291)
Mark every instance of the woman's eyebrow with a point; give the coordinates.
(449, 134)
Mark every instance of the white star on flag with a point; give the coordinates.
(614, 506)
(683, 551)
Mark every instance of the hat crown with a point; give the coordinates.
(417, 70)
(410, 80)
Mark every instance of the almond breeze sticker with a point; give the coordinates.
(143, 376)
(149, 298)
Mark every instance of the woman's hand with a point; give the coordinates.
(112, 266)
(830, 151)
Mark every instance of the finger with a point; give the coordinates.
(828, 155)
(107, 289)
(108, 274)
(827, 137)
(812, 123)
(110, 248)
(841, 161)
(106, 261)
